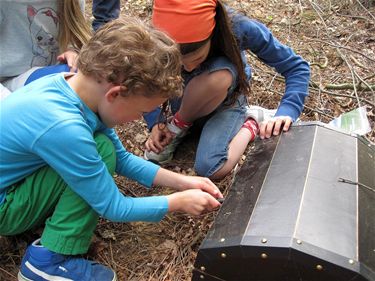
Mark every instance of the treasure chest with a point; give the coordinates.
(301, 208)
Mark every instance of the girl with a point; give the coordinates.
(38, 34)
(213, 40)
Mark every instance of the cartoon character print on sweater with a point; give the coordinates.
(44, 26)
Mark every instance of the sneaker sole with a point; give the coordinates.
(20, 277)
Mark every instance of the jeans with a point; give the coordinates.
(218, 131)
(104, 11)
(220, 127)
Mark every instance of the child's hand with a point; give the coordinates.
(70, 58)
(204, 184)
(274, 125)
(159, 138)
(192, 201)
(180, 182)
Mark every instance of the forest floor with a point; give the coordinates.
(337, 37)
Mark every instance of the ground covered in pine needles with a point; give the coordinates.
(337, 37)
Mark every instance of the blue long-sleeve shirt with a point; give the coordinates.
(46, 123)
(257, 38)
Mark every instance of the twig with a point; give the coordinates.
(127, 190)
(300, 6)
(349, 86)
(10, 274)
(353, 17)
(111, 252)
(320, 97)
(358, 63)
(353, 75)
(369, 77)
(316, 7)
(359, 2)
(371, 87)
(159, 263)
(273, 78)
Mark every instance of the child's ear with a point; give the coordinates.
(113, 93)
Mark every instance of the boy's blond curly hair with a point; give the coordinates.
(130, 53)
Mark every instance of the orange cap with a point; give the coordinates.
(185, 21)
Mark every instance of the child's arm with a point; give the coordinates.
(149, 174)
(70, 58)
(257, 38)
(83, 170)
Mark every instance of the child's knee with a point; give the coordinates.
(205, 167)
(107, 151)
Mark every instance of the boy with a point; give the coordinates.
(58, 151)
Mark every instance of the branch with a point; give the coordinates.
(349, 86)
(315, 87)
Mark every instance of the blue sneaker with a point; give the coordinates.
(40, 264)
